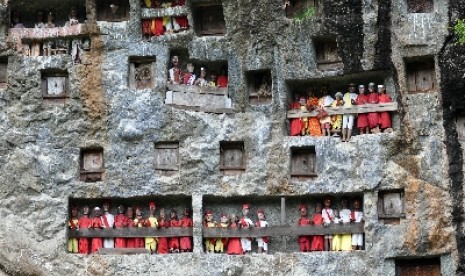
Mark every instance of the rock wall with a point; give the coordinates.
(41, 141)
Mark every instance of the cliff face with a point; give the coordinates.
(42, 139)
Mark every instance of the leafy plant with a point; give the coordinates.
(459, 30)
(305, 14)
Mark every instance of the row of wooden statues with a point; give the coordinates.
(177, 76)
(325, 215)
(41, 22)
(161, 245)
(236, 246)
(162, 3)
(324, 124)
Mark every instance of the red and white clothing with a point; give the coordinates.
(357, 217)
(263, 241)
(97, 243)
(246, 242)
(317, 241)
(373, 117)
(304, 241)
(108, 221)
(174, 241)
(234, 244)
(385, 118)
(163, 241)
(84, 223)
(185, 243)
(121, 221)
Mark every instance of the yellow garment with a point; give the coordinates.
(337, 243)
(150, 242)
(73, 242)
(73, 245)
(347, 100)
(336, 120)
(148, 3)
(219, 247)
(346, 242)
(210, 243)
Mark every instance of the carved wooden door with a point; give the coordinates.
(167, 156)
(92, 161)
(56, 86)
(303, 162)
(233, 158)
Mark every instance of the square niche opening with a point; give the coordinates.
(91, 165)
(3, 73)
(28, 11)
(55, 84)
(141, 72)
(423, 266)
(421, 75)
(326, 56)
(259, 85)
(303, 162)
(167, 156)
(420, 6)
(391, 206)
(178, 204)
(232, 156)
(112, 10)
(209, 19)
(302, 9)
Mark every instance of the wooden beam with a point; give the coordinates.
(277, 231)
(130, 232)
(198, 89)
(122, 251)
(203, 109)
(44, 33)
(367, 108)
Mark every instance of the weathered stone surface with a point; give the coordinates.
(41, 141)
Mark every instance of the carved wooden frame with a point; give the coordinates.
(46, 75)
(309, 154)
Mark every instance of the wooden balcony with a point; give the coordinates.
(133, 232)
(355, 109)
(15, 34)
(208, 99)
(272, 231)
(277, 231)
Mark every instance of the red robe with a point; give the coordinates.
(222, 81)
(174, 241)
(163, 241)
(139, 242)
(121, 221)
(97, 243)
(84, 223)
(373, 117)
(182, 22)
(157, 26)
(385, 118)
(186, 242)
(131, 242)
(296, 123)
(234, 244)
(317, 241)
(146, 26)
(304, 241)
(362, 119)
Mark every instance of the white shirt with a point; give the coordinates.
(327, 214)
(345, 215)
